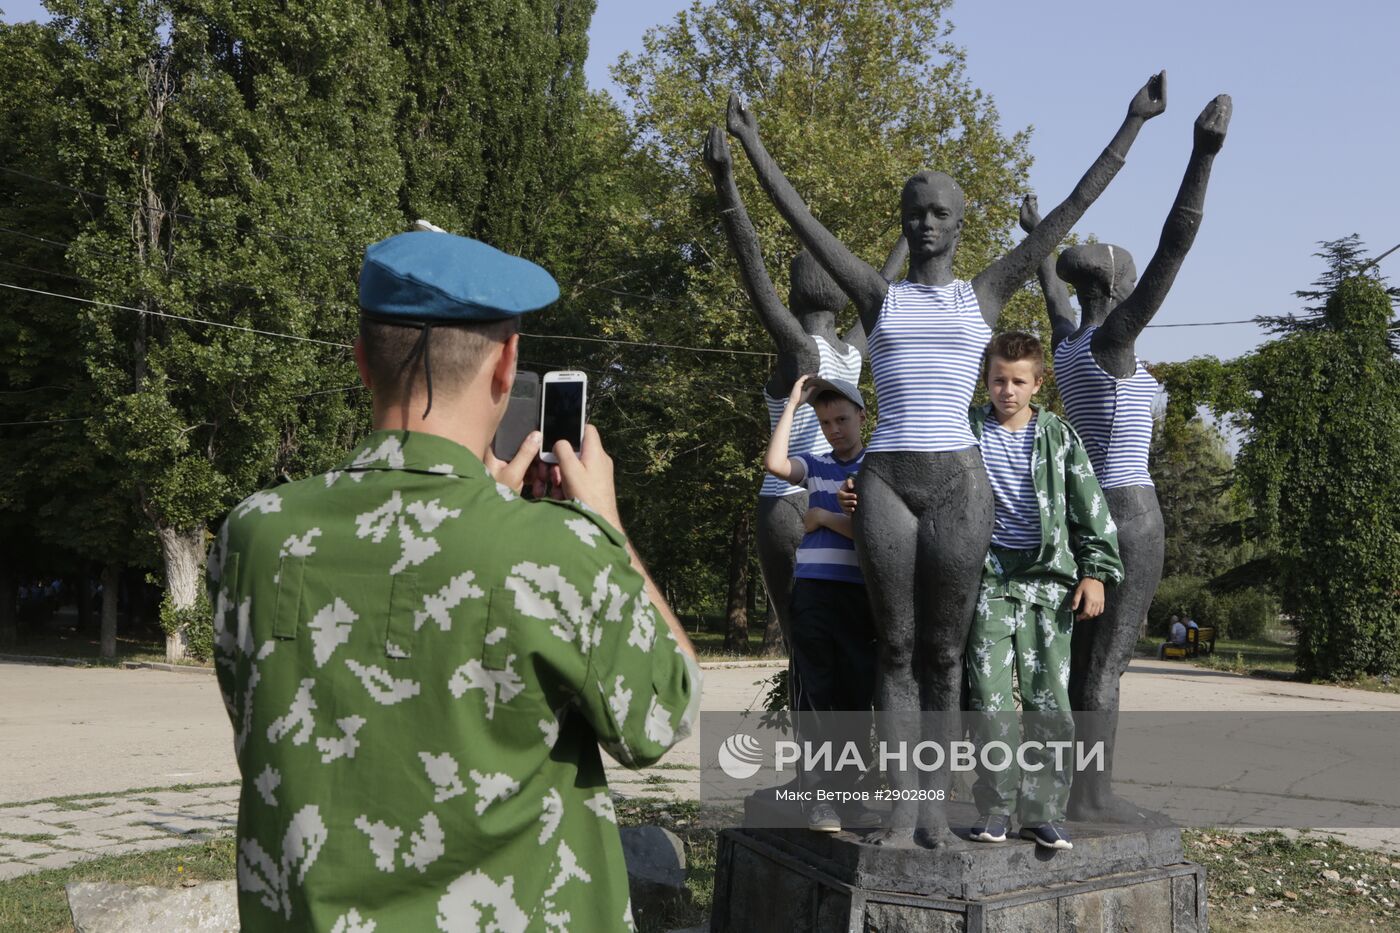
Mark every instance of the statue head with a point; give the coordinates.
(1098, 269)
(810, 288)
(931, 209)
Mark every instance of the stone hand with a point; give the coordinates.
(740, 121)
(717, 152)
(1030, 213)
(1151, 100)
(1212, 124)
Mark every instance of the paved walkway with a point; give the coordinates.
(81, 748)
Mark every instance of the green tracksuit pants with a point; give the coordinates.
(1011, 638)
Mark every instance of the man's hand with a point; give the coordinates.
(1151, 99)
(846, 496)
(589, 478)
(513, 474)
(1088, 599)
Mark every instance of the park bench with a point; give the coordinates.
(1198, 641)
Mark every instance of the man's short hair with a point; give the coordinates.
(457, 351)
(1014, 346)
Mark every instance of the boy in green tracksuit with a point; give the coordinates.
(1054, 547)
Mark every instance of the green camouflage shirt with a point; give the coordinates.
(420, 667)
(1077, 536)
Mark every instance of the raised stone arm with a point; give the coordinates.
(998, 282)
(1125, 322)
(893, 263)
(857, 278)
(781, 324)
(1062, 320)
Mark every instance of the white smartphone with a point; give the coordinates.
(563, 412)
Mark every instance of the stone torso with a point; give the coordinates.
(1112, 416)
(925, 354)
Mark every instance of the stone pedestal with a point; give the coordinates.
(1115, 879)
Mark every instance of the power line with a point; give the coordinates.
(660, 346)
(177, 317)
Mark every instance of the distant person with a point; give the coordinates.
(833, 637)
(420, 665)
(1176, 635)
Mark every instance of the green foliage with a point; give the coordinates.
(1244, 615)
(1192, 473)
(196, 621)
(1322, 411)
(1183, 595)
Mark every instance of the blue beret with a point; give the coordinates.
(448, 279)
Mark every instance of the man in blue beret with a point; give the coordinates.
(420, 665)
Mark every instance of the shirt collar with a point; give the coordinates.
(415, 452)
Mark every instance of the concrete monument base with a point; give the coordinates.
(1116, 878)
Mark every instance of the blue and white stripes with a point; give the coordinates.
(1112, 416)
(806, 435)
(926, 354)
(825, 554)
(1007, 455)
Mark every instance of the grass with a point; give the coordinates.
(1273, 883)
(88, 801)
(710, 646)
(1270, 656)
(37, 903)
(1263, 882)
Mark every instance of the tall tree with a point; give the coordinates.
(1321, 407)
(853, 98)
(230, 162)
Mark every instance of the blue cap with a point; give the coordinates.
(443, 278)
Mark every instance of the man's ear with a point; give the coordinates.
(503, 375)
(362, 364)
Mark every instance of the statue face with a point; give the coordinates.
(932, 215)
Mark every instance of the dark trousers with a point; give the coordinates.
(833, 660)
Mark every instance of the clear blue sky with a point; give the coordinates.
(1310, 153)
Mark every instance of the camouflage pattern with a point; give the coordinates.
(1077, 536)
(419, 668)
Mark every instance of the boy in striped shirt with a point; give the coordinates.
(833, 638)
(1054, 547)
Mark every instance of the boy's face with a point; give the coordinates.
(1011, 385)
(841, 422)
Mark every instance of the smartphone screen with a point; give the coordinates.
(563, 413)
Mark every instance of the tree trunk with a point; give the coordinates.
(736, 630)
(9, 605)
(183, 552)
(111, 592)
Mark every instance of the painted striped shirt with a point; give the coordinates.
(825, 554)
(1007, 455)
(1112, 416)
(806, 433)
(926, 353)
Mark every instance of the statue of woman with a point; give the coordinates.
(807, 342)
(925, 518)
(1108, 396)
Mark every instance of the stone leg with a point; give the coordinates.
(886, 541)
(955, 530)
(779, 534)
(1101, 651)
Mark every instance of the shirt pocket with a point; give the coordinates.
(331, 608)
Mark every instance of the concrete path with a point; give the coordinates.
(82, 748)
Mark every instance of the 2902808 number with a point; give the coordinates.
(919, 794)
